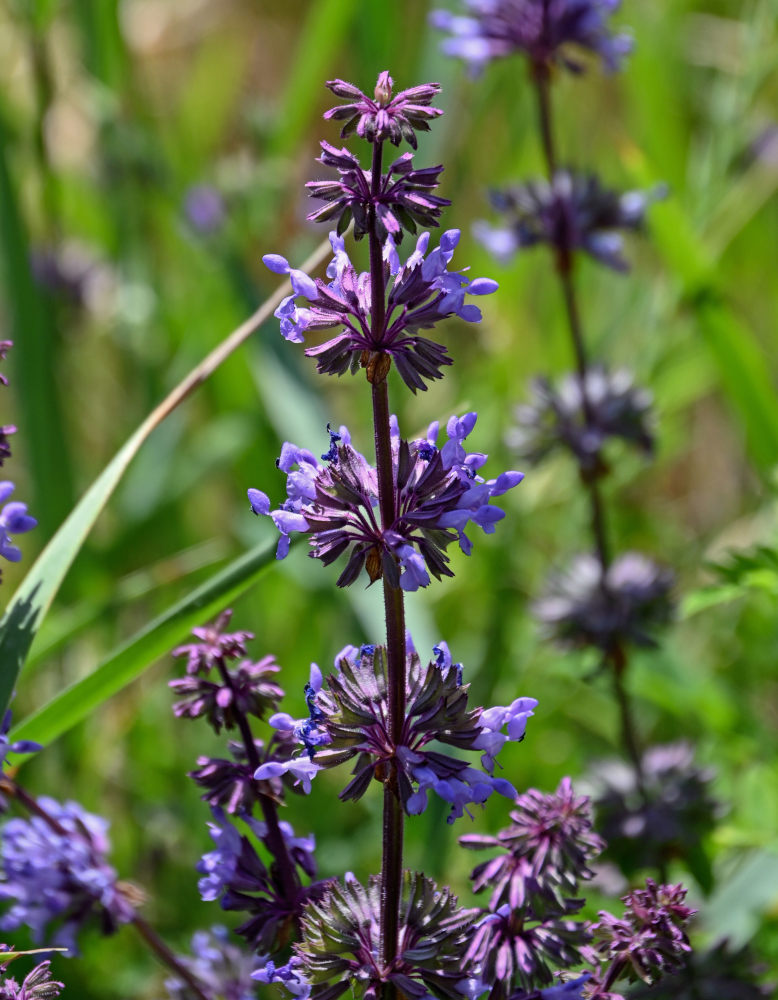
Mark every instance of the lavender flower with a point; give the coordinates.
(214, 645)
(405, 197)
(511, 944)
(235, 874)
(14, 520)
(650, 939)
(384, 117)
(543, 30)
(58, 878)
(290, 976)
(546, 849)
(204, 208)
(667, 817)
(556, 418)
(423, 292)
(583, 608)
(250, 691)
(341, 938)
(20, 746)
(573, 212)
(437, 494)
(349, 720)
(36, 985)
(222, 967)
(230, 783)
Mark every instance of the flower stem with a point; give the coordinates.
(616, 658)
(275, 839)
(392, 850)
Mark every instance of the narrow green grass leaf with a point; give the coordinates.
(740, 362)
(33, 598)
(63, 626)
(76, 702)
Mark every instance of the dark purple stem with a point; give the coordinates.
(392, 853)
(149, 935)
(275, 839)
(564, 269)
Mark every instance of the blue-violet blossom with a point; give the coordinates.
(572, 212)
(438, 492)
(60, 877)
(423, 292)
(14, 520)
(543, 30)
(348, 720)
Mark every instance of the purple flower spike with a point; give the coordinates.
(235, 874)
(544, 852)
(348, 720)
(574, 212)
(422, 292)
(438, 493)
(581, 607)
(555, 418)
(214, 644)
(14, 520)
(384, 117)
(650, 939)
(543, 30)
(404, 198)
(56, 879)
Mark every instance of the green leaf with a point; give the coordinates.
(32, 600)
(736, 908)
(740, 361)
(75, 703)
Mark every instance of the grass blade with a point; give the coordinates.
(76, 702)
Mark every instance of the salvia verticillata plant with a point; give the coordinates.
(400, 718)
(604, 600)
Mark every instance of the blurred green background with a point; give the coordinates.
(150, 152)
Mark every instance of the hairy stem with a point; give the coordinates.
(275, 839)
(617, 659)
(392, 852)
